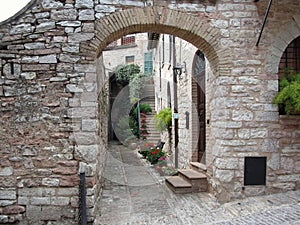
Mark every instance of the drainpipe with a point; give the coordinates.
(175, 110)
(265, 20)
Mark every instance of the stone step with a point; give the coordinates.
(197, 179)
(178, 185)
(198, 166)
(190, 174)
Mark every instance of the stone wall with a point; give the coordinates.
(284, 166)
(53, 96)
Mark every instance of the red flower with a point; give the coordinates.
(154, 152)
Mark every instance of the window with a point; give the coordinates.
(128, 40)
(290, 58)
(170, 48)
(129, 59)
(163, 49)
(148, 63)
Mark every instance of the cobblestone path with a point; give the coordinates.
(134, 194)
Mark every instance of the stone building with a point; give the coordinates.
(54, 107)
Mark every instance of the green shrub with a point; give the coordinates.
(144, 108)
(124, 73)
(288, 97)
(163, 120)
(154, 154)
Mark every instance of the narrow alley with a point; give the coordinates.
(134, 193)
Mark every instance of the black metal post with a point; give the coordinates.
(175, 105)
(265, 19)
(82, 201)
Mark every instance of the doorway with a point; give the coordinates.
(199, 101)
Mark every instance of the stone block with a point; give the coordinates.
(259, 133)
(89, 125)
(79, 37)
(105, 9)
(4, 203)
(87, 14)
(3, 219)
(86, 153)
(224, 175)
(60, 201)
(28, 75)
(50, 181)
(67, 191)
(82, 112)
(266, 116)
(23, 200)
(14, 209)
(6, 171)
(45, 26)
(73, 88)
(69, 181)
(38, 213)
(40, 201)
(21, 29)
(84, 138)
(227, 163)
(75, 201)
(65, 170)
(84, 4)
(8, 194)
(242, 115)
(273, 161)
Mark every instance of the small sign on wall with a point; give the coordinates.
(175, 116)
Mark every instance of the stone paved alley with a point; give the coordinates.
(135, 194)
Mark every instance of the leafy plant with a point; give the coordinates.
(124, 73)
(145, 148)
(288, 97)
(144, 108)
(163, 120)
(154, 155)
(136, 85)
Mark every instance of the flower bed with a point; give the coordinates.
(158, 158)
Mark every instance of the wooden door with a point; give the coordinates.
(199, 76)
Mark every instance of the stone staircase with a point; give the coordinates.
(189, 180)
(148, 97)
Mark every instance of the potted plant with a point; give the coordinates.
(288, 97)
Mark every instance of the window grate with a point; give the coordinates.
(290, 58)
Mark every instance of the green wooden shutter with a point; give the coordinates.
(148, 63)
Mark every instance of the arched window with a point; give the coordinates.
(290, 58)
(169, 100)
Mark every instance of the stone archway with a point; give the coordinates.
(161, 20)
(287, 34)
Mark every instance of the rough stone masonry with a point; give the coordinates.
(53, 97)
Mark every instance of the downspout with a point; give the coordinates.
(175, 105)
(265, 20)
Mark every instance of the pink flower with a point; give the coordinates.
(162, 158)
